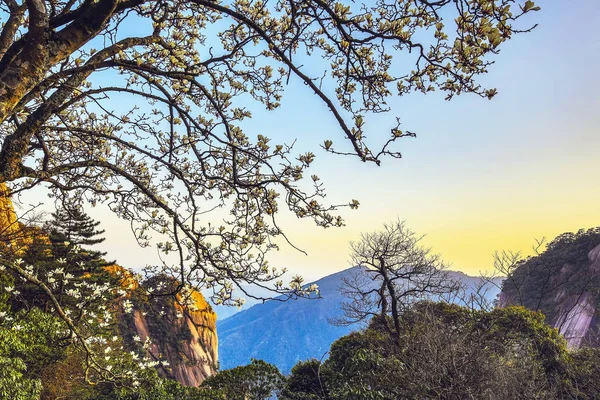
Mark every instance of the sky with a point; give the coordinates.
(484, 176)
(481, 176)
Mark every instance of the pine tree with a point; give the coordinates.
(64, 246)
(71, 232)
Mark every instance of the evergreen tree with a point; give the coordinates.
(71, 232)
(63, 247)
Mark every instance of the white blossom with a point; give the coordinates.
(127, 306)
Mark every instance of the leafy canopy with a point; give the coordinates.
(258, 380)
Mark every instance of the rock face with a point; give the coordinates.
(577, 320)
(182, 331)
(570, 293)
(14, 236)
(8, 219)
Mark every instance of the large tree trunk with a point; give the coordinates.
(26, 63)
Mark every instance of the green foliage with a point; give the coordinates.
(6, 280)
(444, 351)
(71, 232)
(29, 341)
(361, 370)
(584, 370)
(14, 383)
(65, 380)
(59, 248)
(523, 335)
(305, 382)
(256, 381)
(154, 387)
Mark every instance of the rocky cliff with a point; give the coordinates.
(14, 236)
(577, 316)
(181, 329)
(563, 283)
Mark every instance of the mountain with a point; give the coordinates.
(283, 333)
(563, 282)
(224, 312)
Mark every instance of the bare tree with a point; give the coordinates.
(393, 271)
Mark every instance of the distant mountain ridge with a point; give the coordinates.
(283, 333)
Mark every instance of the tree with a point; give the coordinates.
(305, 382)
(394, 272)
(29, 341)
(258, 380)
(192, 76)
(176, 146)
(56, 253)
(70, 229)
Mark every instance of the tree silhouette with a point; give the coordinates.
(394, 272)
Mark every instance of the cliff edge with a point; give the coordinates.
(564, 283)
(180, 329)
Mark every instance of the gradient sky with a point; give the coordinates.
(484, 175)
(480, 176)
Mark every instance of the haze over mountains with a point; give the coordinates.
(283, 333)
